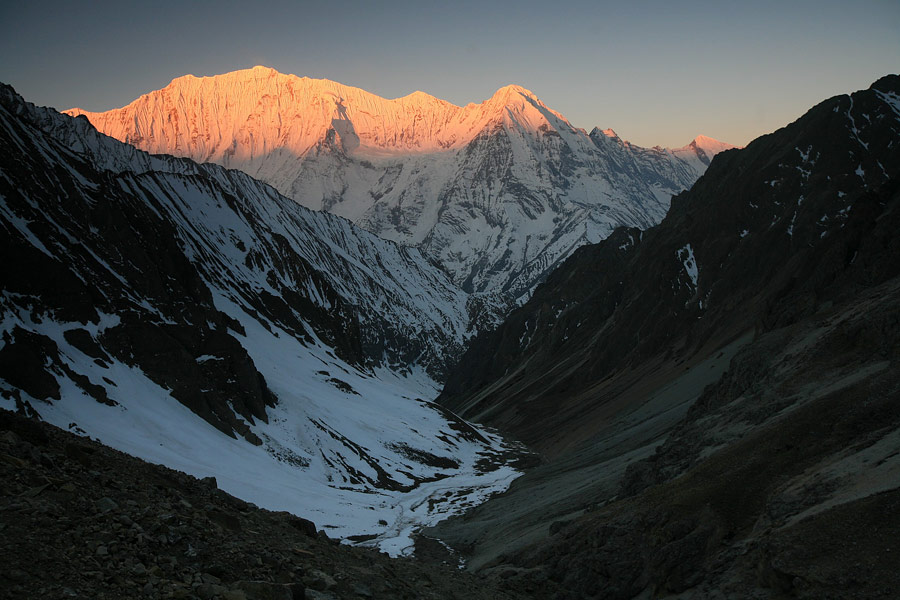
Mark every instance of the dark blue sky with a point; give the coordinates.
(657, 72)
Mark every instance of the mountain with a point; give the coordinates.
(497, 193)
(715, 398)
(192, 316)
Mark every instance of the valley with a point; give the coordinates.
(530, 361)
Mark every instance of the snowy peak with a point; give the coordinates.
(510, 96)
(610, 132)
(710, 146)
(252, 112)
(521, 107)
(701, 150)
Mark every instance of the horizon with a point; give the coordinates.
(751, 71)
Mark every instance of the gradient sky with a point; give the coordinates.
(656, 72)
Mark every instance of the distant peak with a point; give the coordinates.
(705, 139)
(704, 148)
(252, 73)
(710, 146)
(420, 96)
(514, 88)
(261, 70)
(511, 91)
(610, 133)
(256, 71)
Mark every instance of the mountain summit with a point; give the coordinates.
(497, 193)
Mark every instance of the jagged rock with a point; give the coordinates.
(23, 359)
(106, 504)
(305, 526)
(319, 581)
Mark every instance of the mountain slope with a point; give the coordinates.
(749, 232)
(497, 193)
(171, 309)
(715, 398)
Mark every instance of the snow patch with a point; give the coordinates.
(686, 256)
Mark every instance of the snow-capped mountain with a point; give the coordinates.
(171, 309)
(497, 193)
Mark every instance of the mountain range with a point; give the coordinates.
(496, 193)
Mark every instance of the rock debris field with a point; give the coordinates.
(80, 520)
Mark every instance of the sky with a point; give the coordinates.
(659, 73)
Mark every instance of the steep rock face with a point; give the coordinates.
(785, 216)
(171, 309)
(497, 193)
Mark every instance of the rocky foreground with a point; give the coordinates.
(80, 520)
